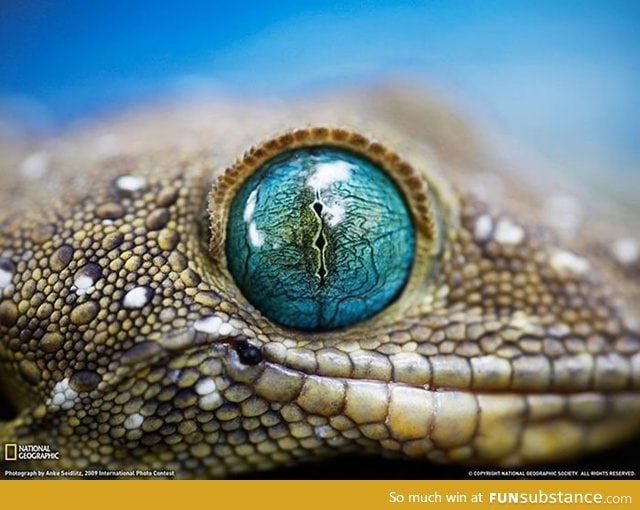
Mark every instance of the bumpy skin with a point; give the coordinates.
(125, 344)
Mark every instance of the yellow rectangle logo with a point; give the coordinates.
(10, 451)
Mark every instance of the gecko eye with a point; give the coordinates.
(321, 228)
(319, 238)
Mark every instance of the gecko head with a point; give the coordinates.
(338, 296)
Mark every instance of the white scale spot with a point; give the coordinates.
(83, 285)
(482, 228)
(508, 232)
(208, 325)
(214, 325)
(210, 401)
(130, 183)
(226, 329)
(626, 251)
(566, 262)
(5, 278)
(137, 298)
(325, 174)
(443, 292)
(133, 421)
(205, 386)
(63, 396)
(35, 166)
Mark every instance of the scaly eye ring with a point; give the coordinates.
(319, 232)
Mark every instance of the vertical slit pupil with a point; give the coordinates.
(320, 242)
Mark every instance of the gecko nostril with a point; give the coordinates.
(249, 354)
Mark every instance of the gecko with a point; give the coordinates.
(214, 287)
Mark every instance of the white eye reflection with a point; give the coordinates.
(325, 174)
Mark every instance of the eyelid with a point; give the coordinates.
(413, 185)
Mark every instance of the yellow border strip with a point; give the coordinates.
(325, 495)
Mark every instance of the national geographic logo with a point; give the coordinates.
(11, 451)
(14, 451)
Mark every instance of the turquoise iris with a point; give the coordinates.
(319, 238)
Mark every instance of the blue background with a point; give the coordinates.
(561, 78)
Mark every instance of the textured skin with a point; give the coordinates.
(124, 342)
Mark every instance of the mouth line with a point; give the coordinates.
(566, 392)
(487, 374)
(572, 375)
